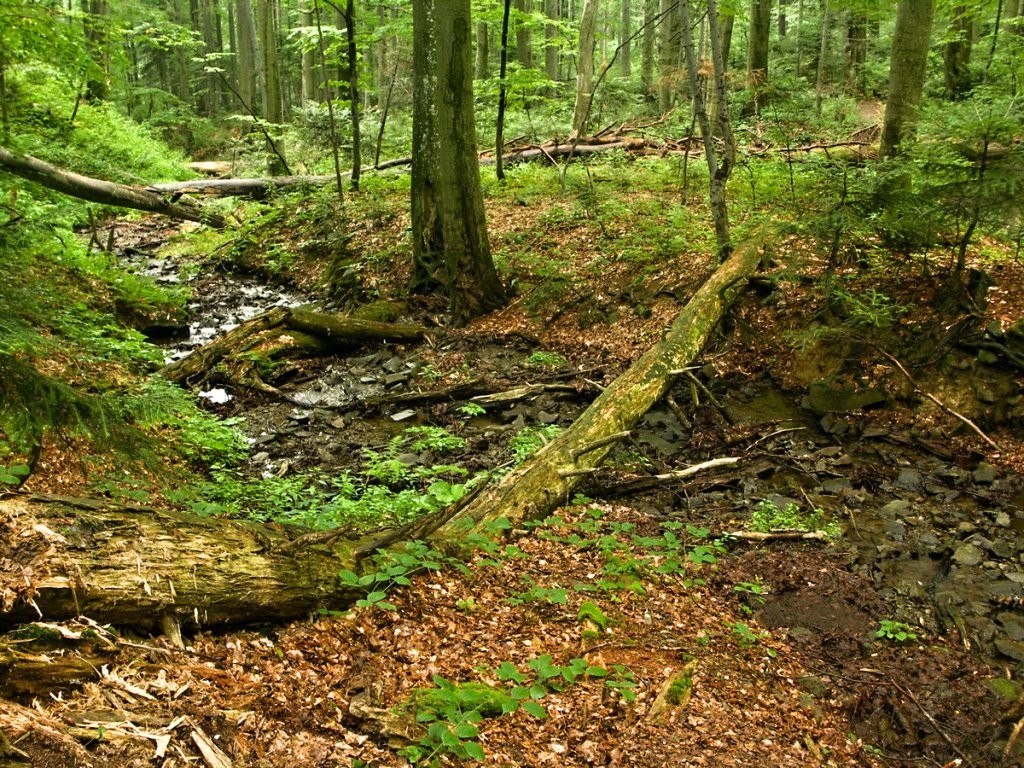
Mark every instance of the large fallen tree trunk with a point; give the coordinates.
(548, 478)
(262, 187)
(104, 192)
(153, 570)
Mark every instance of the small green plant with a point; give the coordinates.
(390, 569)
(766, 517)
(530, 440)
(744, 634)
(437, 439)
(552, 595)
(547, 359)
(469, 410)
(15, 474)
(895, 631)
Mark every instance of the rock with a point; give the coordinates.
(836, 485)
(1013, 649)
(987, 357)
(405, 415)
(394, 365)
(1001, 548)
(909, 479)
(1011, 624)
(897, 531)
(894, 509)
(968, 554)
(827, 397)
(984, 473)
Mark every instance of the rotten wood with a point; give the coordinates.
(332, 329)
(104, 192)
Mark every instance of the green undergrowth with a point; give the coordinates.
(451, 713)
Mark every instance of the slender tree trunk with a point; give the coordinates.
(668, 43)
(212, 98)
(906, 73)
(499, 139)
(5, 121)
(353, 91)
(956, 53)
(552, 54)
(524, 34)
(648, 46)
(451, 250)
(250, 62)
(322, 55)
(718, 171)
(308, 62)
(856, 50)
(97, 20)
(799, 32)
(819, 85)
(585, 68)
(482, 51)
(625, 47)
(757, 48)
(783, 21)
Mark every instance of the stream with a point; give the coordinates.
(942, 539)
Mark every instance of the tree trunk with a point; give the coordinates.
(668, 41)
(647, 48)
(308, 60)
(482, 51)
(856, 50)
(449, 229)
(552, 54)
(353, 91)
(718, 171)
(250, 61)
(757, 48)
(906, 73)
(100, 191)
(585, 68)
(97, 20)
(143, 568)
(548, 478)
(499, 133)
(625, 46)
(524, 34)
(819, 84)
(956, 53)
(335, 329)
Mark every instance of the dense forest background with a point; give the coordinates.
(456, 256)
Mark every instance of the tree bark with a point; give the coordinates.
(482, 51)
(956, 53)
(549, 477)
(647, 48)
(552, 54)
(100, 191)
(140, 568)
(524, 34)
(451, 250)
(585, 68)
(906, 73)
(757, 48)
(625, 47)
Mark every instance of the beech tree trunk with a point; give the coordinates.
(585, 69)
(906, 73)
(103, 192)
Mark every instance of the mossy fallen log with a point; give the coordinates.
(145, 568)
(549, 477)
(332, 329)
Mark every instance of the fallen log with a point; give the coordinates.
(331, 328)
(151, 569)
(263, 187)
(104, 192)
(548, 478)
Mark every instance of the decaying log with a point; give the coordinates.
(103, 192)
(28, 737)
(133, 567)
(333, 329)
(548, 478)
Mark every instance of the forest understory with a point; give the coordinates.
(645, 621)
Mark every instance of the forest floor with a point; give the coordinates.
(646, 634)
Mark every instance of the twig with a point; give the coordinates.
(599, 444)
(674, 407)
(711, 398)
(941, 404)
(1013, 737)
(938, 729)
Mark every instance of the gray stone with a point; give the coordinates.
(909, 479)
(403, 415)
(896, 531)
(984, 473)
(1001, 548)
(1013, 649)
(896, 508)
(968, 554)
(836, 485)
